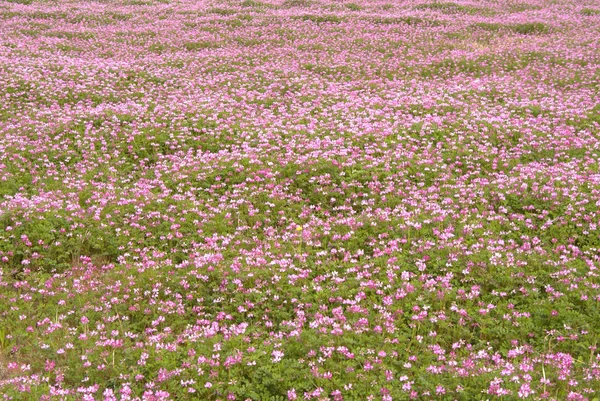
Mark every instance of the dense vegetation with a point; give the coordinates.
(299, 199)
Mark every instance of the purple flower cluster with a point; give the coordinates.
(299, 200)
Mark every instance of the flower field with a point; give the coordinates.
(283, 200)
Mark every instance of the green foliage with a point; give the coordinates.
(588, 12)
(529, 28)
(222, 11)
(409, 20)
(297, 3)
(200, 45)
(254, 4)
(454, 8)
(50, 238)
(320, 19)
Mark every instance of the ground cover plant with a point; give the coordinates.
(299, 200)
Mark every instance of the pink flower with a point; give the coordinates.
(525, 391)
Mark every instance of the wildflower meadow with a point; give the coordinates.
(279, 200)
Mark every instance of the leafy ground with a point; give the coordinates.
(299, 199)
